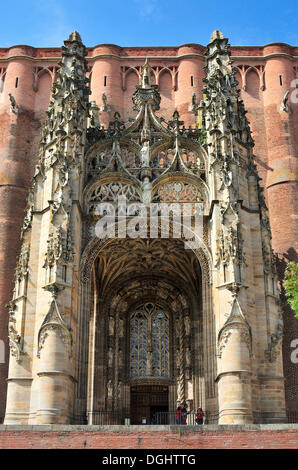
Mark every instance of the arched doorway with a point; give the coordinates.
(147, 329)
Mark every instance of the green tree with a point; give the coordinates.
(291, 285)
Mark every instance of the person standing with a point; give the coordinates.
(199, 415)
(178, 415)
(184, 413)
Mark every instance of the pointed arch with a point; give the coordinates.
(253, 82)
(165, 85)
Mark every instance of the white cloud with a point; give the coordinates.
(148, 9)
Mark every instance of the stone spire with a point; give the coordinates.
(69, 107)
(216, 35)
(229, 145)
(222, 108)
(62, 150)
(74, 37)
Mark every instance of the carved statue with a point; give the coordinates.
(284, 102)
(226, 173)
(121, 326)
(110, 389)
(94, 120)
(145, 155)
(146, 75)
(13, 105)
(111, 326)
(110, 356)
(105, 107)
(187, 325)
(187, 357)
(193, 103)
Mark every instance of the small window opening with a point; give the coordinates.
(225, 272)
(191, 80)
(280, 80)
(17, 82)
(105, 81)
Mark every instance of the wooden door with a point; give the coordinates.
(144, 398)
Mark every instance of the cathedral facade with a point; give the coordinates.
(103, 328)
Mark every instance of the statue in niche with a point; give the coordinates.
(145, 155)
(110, 356)
(121, 326)
(110, 389)
(187, 325)
(230, 114)
(111, 326)
(120, 355)
(187, 357)
(227, 174)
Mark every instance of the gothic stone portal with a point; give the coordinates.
(95, 321)
(146, 331)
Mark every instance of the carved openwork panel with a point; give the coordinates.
(100, 159)
(178, 191)
(163, 159)
(133, 159)
(110, 192)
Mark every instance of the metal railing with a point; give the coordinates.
(165, 418)
(106, 418)
(170, 417)
(292, 416)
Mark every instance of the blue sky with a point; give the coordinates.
(147, 22)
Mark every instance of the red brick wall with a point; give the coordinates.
(171, 439)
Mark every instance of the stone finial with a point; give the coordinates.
(216, 35)
(74, 36)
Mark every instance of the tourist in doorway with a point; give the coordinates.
(199, 415)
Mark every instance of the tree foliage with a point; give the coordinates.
(291, 285)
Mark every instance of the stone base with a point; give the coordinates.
(260, 436)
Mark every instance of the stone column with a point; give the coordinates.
(190, 81)
(106, 79)
(15, 143)
(234, 377)
(55, 383)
